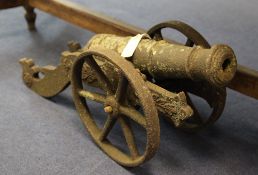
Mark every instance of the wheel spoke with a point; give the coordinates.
(102, 78)
(107, 127)
(121, 88)
(129, 137)
(92, 96)
(133, 114)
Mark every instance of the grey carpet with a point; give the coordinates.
(40, 136)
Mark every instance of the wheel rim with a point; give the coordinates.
(194, 38)
(117, 111)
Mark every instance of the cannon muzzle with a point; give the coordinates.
(163, 60)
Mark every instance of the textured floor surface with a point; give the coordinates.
(40, 136)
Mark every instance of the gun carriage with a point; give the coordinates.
(155, 81)
(133, 88)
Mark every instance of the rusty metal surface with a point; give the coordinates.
(114, 101)
(167, 65)
(102, 24)
(128, 84)
(214, 96)
(193, 87)
(127, 88)
(46, 81)
(162, 60)
(98, 23)
(201, 70)
(55, 79)
(49, 81)
(173, 106)
(164, 99)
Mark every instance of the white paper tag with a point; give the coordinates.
(132, 45)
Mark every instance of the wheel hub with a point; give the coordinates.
(111, 106)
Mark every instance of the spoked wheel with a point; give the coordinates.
(214, 96)
(115, 105)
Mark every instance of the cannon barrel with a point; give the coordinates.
(163, 60)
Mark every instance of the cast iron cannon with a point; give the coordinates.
(155, 79)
